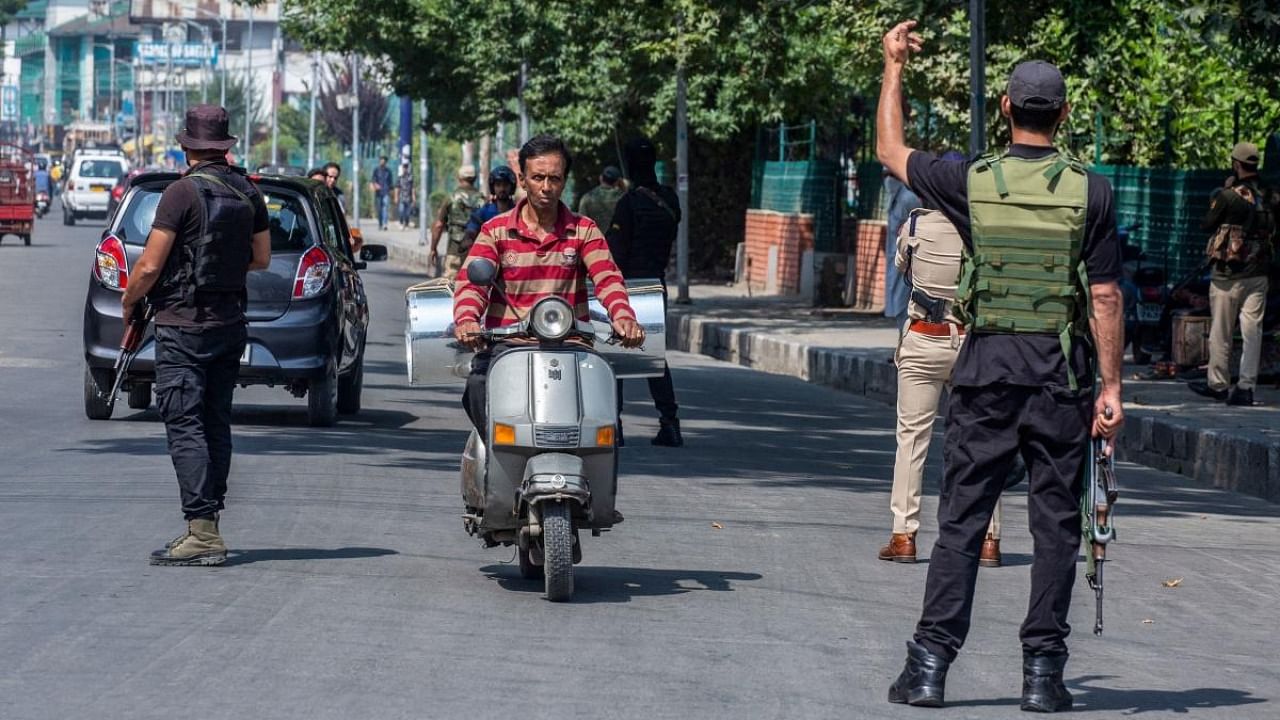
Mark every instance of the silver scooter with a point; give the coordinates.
(546, 467)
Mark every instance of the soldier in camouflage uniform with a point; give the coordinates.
(453, 215)
(599, 202)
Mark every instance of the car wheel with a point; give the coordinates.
(350, 386)
(97, 382)
(68, 217)
(140, 396)
(322, 398)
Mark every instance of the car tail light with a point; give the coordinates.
(117, 192)
(313, 274)
(112, 267)
(71, 184)
(1151, 294)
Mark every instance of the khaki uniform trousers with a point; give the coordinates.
(924, 368)
(1245, 299)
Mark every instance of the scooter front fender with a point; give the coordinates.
(555, 476)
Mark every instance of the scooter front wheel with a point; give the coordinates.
(557, 550)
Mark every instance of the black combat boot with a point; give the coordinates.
(668, 433)
(923, 680)
(1042, 686)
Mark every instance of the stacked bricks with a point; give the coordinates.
(791, 233)
(870, 266)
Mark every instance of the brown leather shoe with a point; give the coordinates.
(990, 556)
(901, 548)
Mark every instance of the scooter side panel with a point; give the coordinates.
(509, 404)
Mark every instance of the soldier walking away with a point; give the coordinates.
(927, 254)
(502, 187)
(453, 216)
(381, 182)
(405, 196)
(1241, 224)
(210, 230)
(1041, 260)
(640, 236)
(599, 202)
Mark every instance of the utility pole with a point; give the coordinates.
(977, 76)
(248, 88)
(355, 136)
(311, 126)
(524, 109)
(424, 194)
(276, 79)
(682, 186)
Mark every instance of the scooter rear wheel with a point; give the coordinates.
(557, 550)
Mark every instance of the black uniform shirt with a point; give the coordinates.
(179, 211)
(1019, 359)
(643, 228)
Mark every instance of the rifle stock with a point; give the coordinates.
(130, 343)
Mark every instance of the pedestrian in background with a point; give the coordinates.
(1242, 225)
(333, 171)
(210, 230)
(598, 203)
(643, 228)
(1023, 381)
(381, 186)
(453, 216)
(405, 195)
(928, 255)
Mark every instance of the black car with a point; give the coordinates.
(307, 312)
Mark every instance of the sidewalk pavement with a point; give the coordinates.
(1168, 427)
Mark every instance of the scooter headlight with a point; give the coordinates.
(551, 319)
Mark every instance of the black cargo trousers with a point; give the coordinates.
(196, 371)
(987, 427)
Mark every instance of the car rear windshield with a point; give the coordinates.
(290, 229)
(101, 169)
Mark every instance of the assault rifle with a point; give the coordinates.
(1100, 495)
(129, 345)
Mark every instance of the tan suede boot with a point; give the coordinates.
(202, 545)
(178, 540)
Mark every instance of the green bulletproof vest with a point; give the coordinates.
(1025, 273)
(461, 205)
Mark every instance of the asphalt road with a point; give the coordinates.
(744, 583)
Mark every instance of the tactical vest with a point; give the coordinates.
(217, 259)
(461, 205)
(1025, 273)
(929, 254)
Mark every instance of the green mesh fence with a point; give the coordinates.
(810, 186)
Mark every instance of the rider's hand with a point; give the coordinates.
(1108, 427)
(629, 331)
(900, 42)
(470, 334)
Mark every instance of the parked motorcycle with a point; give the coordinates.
(544, 471)
(1145, 295)
(42, 203)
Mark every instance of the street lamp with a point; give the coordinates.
(222, 58)
(111, 99)
(206, 35)
(137, 123)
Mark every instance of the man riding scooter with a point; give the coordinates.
(44, 188)
(544, 465)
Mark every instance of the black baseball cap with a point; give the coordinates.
(611, 173)
(1037, 85)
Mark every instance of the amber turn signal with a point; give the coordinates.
(604, 436)
(503, 434)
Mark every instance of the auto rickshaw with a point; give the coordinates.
(17, 192)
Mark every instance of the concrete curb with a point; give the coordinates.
(1212, 457)
(411, 257)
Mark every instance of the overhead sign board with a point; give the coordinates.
(180, 54)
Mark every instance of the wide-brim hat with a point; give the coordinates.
(206, 129)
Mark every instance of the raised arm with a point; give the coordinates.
(891, 144)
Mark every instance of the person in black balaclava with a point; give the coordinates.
(640, 236)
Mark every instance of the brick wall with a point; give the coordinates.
(869, 268)
(791, 233)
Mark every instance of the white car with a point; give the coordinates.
(87, 192)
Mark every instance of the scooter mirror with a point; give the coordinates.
(481, 272)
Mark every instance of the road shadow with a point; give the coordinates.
(245, 557)
(1089, 697)
(595, 584)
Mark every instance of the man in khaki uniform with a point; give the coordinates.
(453, 216)
(1241, 222)
(928, 256)
(599, 202)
